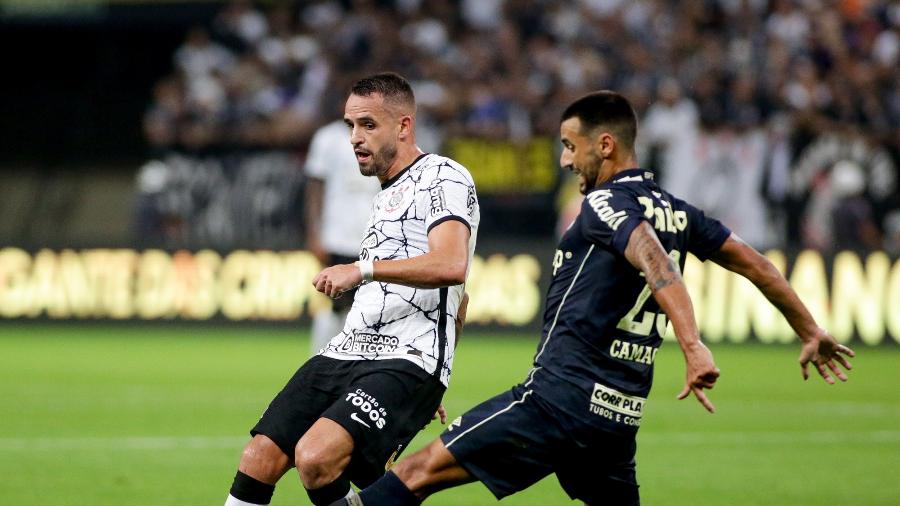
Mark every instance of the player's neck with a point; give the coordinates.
(406, 155)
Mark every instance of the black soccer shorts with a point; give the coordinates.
(514, 440)
(381, 403)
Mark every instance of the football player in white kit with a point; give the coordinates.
(349, 411)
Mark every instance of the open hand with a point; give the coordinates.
(822, 352)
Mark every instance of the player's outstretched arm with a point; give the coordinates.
(445, 264)
(645, 252)
(818, 346)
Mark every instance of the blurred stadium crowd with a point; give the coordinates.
(781, 117)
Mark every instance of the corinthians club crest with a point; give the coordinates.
(397, 198)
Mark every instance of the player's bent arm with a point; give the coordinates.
(819, 347)
(445, 264)
(645, 252)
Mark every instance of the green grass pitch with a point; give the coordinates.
(116, 414)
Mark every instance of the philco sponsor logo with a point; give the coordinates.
(369, 408)
(438, 202)
(616, 406)
(634, 352)
(608, 215)
(369, 343)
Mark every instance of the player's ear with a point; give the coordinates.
(606, 144)
(407, 123)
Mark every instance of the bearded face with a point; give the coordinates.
(374, 129)
(579, 155)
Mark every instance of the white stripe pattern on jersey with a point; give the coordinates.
(563, 302)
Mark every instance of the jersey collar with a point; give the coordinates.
(398, 175)
(633, 175)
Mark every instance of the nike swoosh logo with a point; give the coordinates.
(358, 419)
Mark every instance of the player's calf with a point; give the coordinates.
(430, 470)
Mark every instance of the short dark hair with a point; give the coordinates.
(392, 86)
(606, 109)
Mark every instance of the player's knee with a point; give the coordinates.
(315, 466)
(263, 459)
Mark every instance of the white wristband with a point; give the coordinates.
(367, 269)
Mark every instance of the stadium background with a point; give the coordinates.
(153, 278)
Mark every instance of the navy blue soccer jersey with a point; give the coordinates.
(602, 326)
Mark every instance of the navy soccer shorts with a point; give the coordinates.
(381, 403)
(515, 439)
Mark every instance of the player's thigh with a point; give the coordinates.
(386, 403)
(601, 473)
(309, 392)
(507, 442)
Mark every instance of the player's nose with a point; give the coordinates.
(356, 137)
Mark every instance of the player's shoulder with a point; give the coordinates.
(434, 166)
(682, 205)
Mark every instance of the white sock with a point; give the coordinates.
(233, 501)
(353, 498)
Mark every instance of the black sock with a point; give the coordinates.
(249, 489)
(390, 491)
(330, 493)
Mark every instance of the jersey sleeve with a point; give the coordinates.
(449, 194)
(706, 234)
(609, 216)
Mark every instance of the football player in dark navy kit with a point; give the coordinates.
(616, 283)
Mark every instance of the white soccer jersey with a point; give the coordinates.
(388, 320)
(347, 200)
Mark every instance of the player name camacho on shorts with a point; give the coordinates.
(515, 439)
(382, 404)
